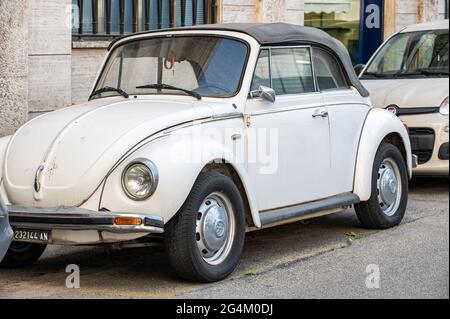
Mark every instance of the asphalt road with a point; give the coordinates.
(313, 259)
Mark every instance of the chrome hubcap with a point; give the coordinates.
(215, 228)
(389, 187)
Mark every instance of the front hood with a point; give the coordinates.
(408, 93)
(62, 157)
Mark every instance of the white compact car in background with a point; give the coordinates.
(409, 77)
(169, 146)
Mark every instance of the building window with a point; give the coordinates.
(358, 24)
(119, 17)
(339, 18)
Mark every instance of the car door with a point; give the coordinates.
(347, 111)
(288, 151)
(5, 231)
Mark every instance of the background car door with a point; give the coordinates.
(291, 136)
(347, 111)
(5, 231)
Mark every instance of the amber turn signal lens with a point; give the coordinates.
(128, 221)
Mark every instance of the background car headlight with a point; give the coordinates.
(444, 107)
(140, 179)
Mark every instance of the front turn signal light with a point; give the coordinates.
(128, 221)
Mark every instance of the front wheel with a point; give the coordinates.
(205, 239)
(22, 254)
(387, 204)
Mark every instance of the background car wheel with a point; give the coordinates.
(22, 254)
(387, 204)
(205, 239)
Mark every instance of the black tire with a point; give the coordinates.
(180, 235)
(370, 213)
(22, 255)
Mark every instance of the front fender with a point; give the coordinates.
(4, 141)
(379, 124)
(179, 159)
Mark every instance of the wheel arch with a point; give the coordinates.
(380, 126)
(231, 171)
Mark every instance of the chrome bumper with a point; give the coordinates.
(73, 218)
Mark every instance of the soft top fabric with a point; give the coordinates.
(283, 33)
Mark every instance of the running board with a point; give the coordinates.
(292, 212)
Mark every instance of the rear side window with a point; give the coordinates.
(292, 71)
(328, 71)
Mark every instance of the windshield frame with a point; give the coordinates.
(176, 35)
(366, 75)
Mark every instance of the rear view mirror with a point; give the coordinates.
(265, 93)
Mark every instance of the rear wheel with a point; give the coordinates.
(205, 239)
(22, 254)
(387, 204)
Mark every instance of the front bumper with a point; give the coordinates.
(5, 231)
(77, 226)
(436, 164)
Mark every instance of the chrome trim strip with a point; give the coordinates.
(302, 210)
(313, 70)
(227, 116)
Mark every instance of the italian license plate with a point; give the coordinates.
(34, 236)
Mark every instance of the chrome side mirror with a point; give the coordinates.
(265, 93)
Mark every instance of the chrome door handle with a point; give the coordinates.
(320, 114)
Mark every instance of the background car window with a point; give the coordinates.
(262, 73)
(328, 71)
(424, 53)
(292, 71)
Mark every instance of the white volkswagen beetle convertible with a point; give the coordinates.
(197, 135)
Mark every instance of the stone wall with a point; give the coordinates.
(87, 58)
(238, 11)
(291, 11)
(49, 55)
(13, 65)
(418, 11)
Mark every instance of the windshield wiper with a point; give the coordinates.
(170, 87)
(109, 89)
(377, 75)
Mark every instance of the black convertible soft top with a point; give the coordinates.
(283, 33)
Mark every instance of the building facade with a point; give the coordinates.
(51, 50)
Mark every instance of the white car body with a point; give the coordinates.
(83, 151)
(417, 94)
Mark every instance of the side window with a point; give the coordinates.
(262, 73)
(292, 71)
(328, 71)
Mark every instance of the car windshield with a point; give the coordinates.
(201, 66)
(422, 54)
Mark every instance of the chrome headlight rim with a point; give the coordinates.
(154, 178)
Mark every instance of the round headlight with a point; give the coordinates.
(140, 179)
